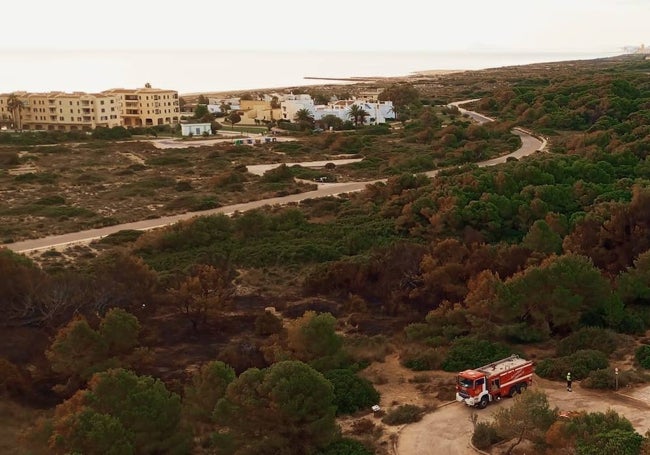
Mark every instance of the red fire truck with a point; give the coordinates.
(505, 377)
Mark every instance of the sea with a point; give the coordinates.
(205, 71)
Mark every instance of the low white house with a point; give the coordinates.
(195, 129)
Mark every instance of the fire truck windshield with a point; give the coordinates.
(464, 382)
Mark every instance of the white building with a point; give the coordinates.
(195, 129)
(378, 111)
(214, 104)
(291, 104)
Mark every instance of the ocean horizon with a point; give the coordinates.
(204, 71)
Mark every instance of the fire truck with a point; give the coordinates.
(505, 377)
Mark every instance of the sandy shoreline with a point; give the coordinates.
(435, 72)
(328, 81)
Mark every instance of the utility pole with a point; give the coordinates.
(616, 378)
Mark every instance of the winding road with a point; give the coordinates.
(529, 145)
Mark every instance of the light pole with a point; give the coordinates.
(616, 378)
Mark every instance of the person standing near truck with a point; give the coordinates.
(568, 381)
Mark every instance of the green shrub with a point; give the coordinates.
(345, 446)
(168, 160)
(642, 355)
(116, 132)
(607, 433)
(420, 331)
(579, 364)
(428, 359)
(596, 338)
(351, 392)
(51, 200)
(44, 178)
(606, 379)
(120, 237)
(407, 413)
(484, 436)
(521, 333)
(471, 352)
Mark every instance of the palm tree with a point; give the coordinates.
(305, 118)
(357, 114)
(303, 115)
(15, 105)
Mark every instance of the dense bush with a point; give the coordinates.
(484, 436)
(598, 433)
(345, 446)
(424, 359)
(351, 392)
(472, 352)
(116, 132)
(642, 355)
(596, 338)
(580, 364)
(407, 413)
(521, 333)
(606, 379)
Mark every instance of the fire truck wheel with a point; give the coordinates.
(484, 402)
(522, 387)
(513, 391)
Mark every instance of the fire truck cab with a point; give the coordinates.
(505, 377)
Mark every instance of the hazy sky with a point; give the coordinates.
(422, 25)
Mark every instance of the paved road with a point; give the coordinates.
(530, 144)
(448, 430)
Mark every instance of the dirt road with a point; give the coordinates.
(530, 144)
(448, 429)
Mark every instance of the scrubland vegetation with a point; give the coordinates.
(165, 342)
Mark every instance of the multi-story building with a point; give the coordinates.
(147, 106)
(87, 111)
(62, 111)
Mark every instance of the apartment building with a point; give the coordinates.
(87, 111)
(62, 111)
(147, 106)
